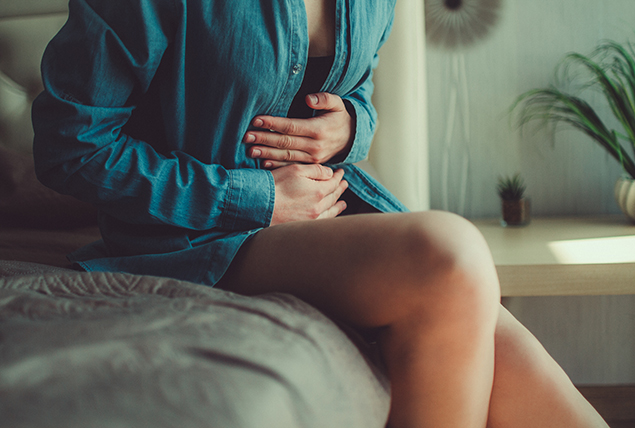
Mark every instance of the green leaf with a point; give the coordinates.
(511, 188)
(609, 69)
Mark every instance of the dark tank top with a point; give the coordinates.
(315, 74)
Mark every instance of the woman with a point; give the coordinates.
(171, 117)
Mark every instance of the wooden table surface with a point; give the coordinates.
(564, 256)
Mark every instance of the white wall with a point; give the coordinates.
(591, 337)
(572, 177)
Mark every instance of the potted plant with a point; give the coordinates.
(610, 68)
(515, 207)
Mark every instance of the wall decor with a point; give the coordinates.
(459, 23)
(455, 25)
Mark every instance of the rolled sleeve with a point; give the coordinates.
(250, 200)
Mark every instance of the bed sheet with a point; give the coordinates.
(109, 350)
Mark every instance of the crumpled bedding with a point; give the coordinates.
(117, 350)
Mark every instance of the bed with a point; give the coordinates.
(102, 349)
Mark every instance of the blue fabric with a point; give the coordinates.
(145, 106)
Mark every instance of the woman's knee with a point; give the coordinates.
(448, 267)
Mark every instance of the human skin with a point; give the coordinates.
(295, 150)
(282, 141)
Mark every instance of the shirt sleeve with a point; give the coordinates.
(106, 55)
(359, 104)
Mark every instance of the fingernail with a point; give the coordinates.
(258, 123)
(255, 153)
(250, 138)
(314, 99)
(268, 164)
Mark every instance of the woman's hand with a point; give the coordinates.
(315, 140)
(307, 192)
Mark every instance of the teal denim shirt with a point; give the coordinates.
(145, 106)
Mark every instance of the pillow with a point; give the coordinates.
(16, 131)
(25, 202)
(23, 40)
(32, 7)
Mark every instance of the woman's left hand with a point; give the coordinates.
(283, 141)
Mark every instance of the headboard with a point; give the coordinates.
(26, 26)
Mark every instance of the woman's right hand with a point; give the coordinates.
(307, 192)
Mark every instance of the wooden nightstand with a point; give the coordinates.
(564, 256)
(570, 256)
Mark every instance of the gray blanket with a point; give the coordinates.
(117, 350)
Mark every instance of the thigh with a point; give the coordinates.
(359, 268)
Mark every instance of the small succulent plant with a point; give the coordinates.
(511, 188)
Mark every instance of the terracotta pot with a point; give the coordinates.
(515, 213)
(625, 196)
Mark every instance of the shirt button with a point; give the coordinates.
(297, 68)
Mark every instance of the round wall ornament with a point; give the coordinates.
(454, 24)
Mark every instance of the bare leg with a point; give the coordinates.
(530, 389)
(426, 278)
